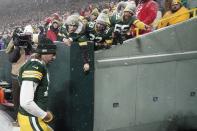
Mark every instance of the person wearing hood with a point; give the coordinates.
(52, 33)
(146, 11)
(18, 53)
(94, 14)
(100, 32)
(122, 30)
(178, 13)
(73, 30)
(74, 34)
(116, 15)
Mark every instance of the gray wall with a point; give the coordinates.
(148, 83)
(192, 3)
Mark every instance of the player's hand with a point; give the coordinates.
(148, 28)
(49, 117)
(67, 42)
(86, 67)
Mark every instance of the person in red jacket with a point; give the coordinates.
(146, 12)
(52, 33)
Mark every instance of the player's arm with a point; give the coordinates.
(27, 99)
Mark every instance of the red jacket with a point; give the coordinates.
(52, 35)
(147, 11)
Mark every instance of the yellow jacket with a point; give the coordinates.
(170, 18)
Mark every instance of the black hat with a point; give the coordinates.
(46, 46)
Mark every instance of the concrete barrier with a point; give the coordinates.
(148, 83)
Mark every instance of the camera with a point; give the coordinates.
(22, 40)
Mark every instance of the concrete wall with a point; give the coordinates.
(148, 83)
(192, 4)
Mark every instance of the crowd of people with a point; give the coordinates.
(115, 20)
(105, 25)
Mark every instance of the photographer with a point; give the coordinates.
(19, 49)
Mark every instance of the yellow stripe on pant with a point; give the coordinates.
(28, 123)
